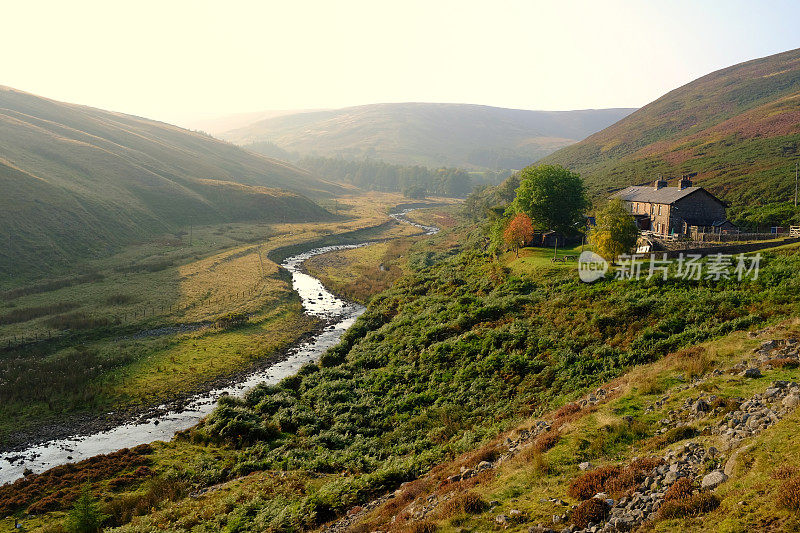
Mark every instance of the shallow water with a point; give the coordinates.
(317, 301)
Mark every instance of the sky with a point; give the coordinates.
(184, 61)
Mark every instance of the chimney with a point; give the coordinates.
(684, 183)
(660, 183)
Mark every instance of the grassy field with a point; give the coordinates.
(363, 272)
(111, 349)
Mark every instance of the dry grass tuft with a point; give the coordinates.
(784, 472)
(468, 502)
(789, 494)
(546, 441)
(694, 361)
(424, 526)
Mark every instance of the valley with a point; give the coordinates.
(410, 316)
(150, 321)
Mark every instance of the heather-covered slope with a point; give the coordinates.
(76, 180)
(739, 128)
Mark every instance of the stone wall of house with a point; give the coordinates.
(697, 207)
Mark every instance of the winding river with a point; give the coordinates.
(317, 301)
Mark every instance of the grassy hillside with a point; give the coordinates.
(460, 350)
(739, 128)
(77, 180)
(434, 135)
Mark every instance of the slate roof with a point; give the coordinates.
(664, 195)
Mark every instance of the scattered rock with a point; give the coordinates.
(752, 373)
(586, 465)
(713, 479)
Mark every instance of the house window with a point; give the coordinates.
(659, 209)
(652, 209)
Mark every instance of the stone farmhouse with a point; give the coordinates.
(680, 210)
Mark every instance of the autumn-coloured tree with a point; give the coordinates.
(519, 232)
(615, 233)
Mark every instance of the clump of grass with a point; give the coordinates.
(546, 441)
(468, 502)
(681, 490)
(591, 511)
(231, 321)
(694, 361)
(652, 385)
(613, 435)
(157, 490)
(789, 494)
(424, 526)
(784, 472)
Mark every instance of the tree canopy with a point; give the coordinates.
(615, 233)
(519, 232)
(553, 197)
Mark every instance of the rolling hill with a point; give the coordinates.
(434, 135)
(75, 181)
(738, 128)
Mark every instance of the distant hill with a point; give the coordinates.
(434, 135)
(76, 180)
(738, 127)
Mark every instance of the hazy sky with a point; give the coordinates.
(181, 60)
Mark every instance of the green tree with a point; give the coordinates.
(552, 196)
(85, 516)
(615, 233)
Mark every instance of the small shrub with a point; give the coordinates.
(789, 494)
(697, 504)
(683, 499)
(85, 516)
(591, 511)
(592, 482)
(681, 490)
